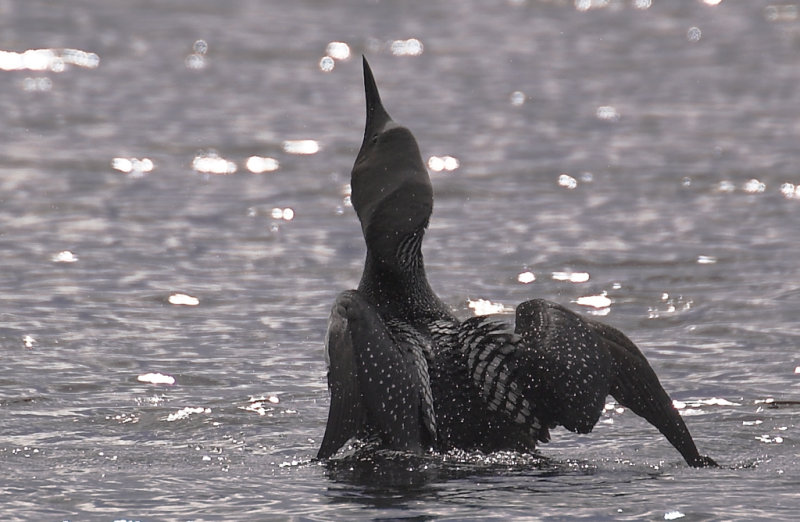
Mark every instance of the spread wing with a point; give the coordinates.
(378, 387)
(570, 369)
(557, 368)
(636, 386)
(550, 371)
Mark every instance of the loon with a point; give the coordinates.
(405, 372)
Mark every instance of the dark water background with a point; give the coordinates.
(677, 123)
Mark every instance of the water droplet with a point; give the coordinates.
(517, 98)
(790, 191)
(200, 47)
(754, 186)
(65, 256)
(183, 300)
(195, 62)
(259, 164)
(410, 47)
(607, 113)
(156, 378)
(301, 147)
(326, 64)
(567, 181)
(440, 163)
(54, 60)
(186, 412)
(694, 34)
(486, 307)
(572, 277)
(594, 301)
(134, 166)
(338, 50)
(286, 214)
(212, 163)
(726, 186)
(37, 84)
(526, 277)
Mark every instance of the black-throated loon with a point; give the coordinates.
(404, 371)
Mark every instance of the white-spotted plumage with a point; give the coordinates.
(491, 348)
(404, 372)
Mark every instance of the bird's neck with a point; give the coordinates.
(394, 280)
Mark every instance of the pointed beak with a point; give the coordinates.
(377, 116)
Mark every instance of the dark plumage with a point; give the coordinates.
(403, 371)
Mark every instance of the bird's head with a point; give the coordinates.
(391, 189)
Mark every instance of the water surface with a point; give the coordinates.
(641, 152)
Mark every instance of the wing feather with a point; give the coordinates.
(377, 386)
(347, 412)
(569, 370)
(636, 386)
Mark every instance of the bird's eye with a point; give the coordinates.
(374, 139)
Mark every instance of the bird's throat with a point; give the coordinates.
(396, 283)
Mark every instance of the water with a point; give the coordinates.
(674, 123)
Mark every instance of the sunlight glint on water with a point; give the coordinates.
(163, 307)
